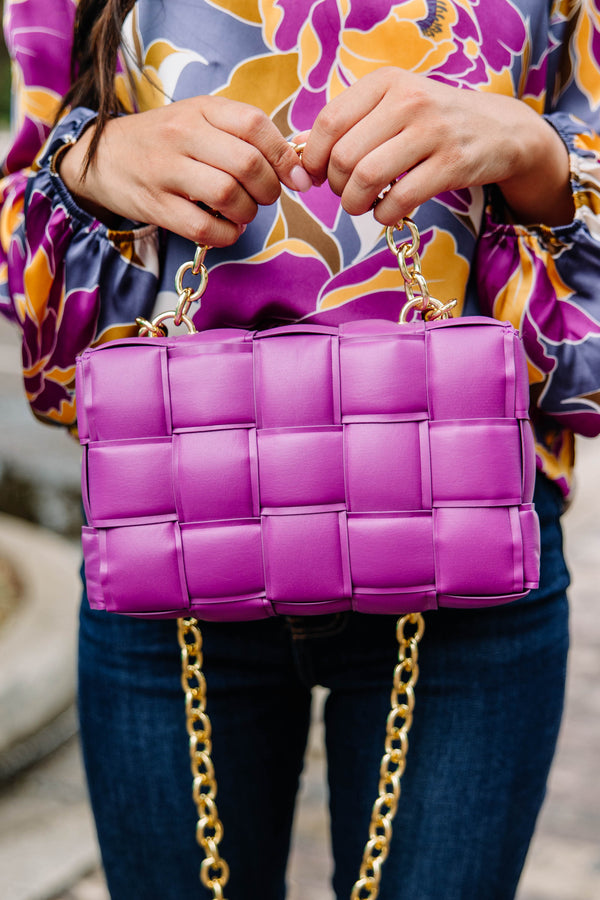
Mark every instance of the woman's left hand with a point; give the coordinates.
(393, 124)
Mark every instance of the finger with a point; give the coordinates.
(378, 168)
(335, 120)
(217, 189)
(374, 134)
(300, 138)
(426, 180)
(225, 153)
(256, 130)
(185, 218)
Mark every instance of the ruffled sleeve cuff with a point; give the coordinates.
(72, 280)
(546, 281)
(584, 159)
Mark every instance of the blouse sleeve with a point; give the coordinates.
(66, 280)
(546, 281)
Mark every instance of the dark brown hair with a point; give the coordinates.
(96, 40)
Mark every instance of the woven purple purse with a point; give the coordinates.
(308, 469)
(376, 467)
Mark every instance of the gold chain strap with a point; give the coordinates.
(393, 761)
(214, 871)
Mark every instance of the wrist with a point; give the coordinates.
(69, 163)
(540, 194)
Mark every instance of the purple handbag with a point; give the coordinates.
(376, 467)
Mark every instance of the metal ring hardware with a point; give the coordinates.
(154, 328)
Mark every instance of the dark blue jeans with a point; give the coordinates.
(488, 709)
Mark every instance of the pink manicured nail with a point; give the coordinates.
(300, 179)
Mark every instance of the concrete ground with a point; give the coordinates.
(47, 843)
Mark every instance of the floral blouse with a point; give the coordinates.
(68, 281)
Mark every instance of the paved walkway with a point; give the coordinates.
(47, 846)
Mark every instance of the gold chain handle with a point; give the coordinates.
(409, 263)
(393, 762)
(214, 871)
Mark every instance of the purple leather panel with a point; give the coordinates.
(392, 553)
(383, 376)
(211, 471)
(474, 547)
(211, 388)
(528, 458)
(124, 393)
(389, 603)
(90, 542)
(522, 398)
(241, 609)
(223, 559)
(293, 380)
(301, 467)
(304, 558)
(476, 462)
(383, 471)
(82, 365)
(530, 529)
(467, 370)
(146, 568)
(117, 480)
(377, 467)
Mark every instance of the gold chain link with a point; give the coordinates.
(393, 762)
(415, 286)
(185, 297)
(214, 871)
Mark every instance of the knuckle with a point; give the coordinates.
(199, 233)
(328, 119)
(367, 176)
(271, 194)
(205, 231)
(399, 202)
(455, 161)
(172, 126)
(252, 120)
(417, 100)
(250, 163)
(283, 154)
(340, 162)
(407, 198)
(151, 199)
(224, 193)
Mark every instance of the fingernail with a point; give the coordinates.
(300, 179)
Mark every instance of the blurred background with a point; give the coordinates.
(47, 842)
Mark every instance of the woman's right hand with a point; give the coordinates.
(155, 167)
